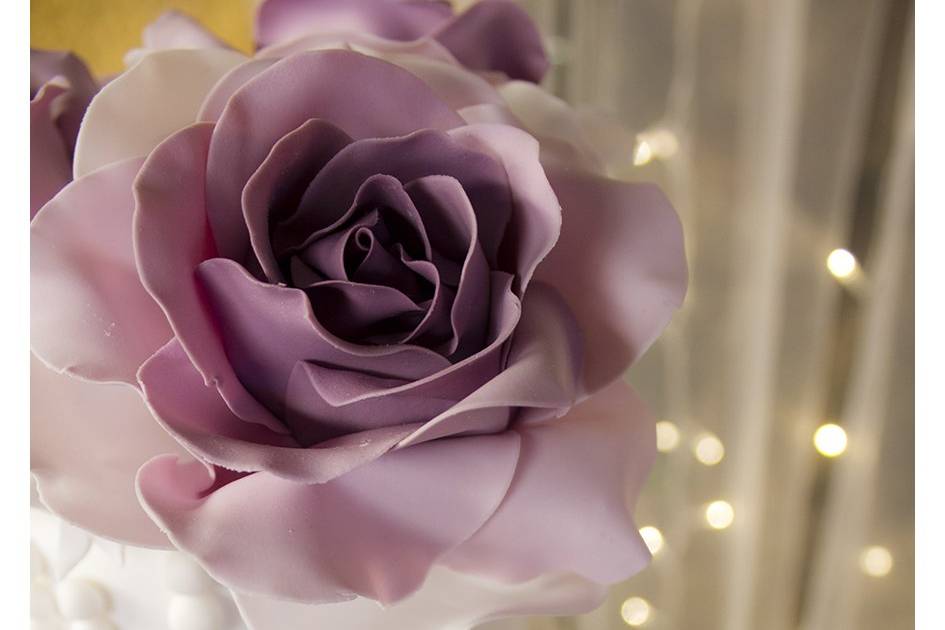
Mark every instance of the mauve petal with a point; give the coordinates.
(355, 311)
(496, 35)
(426, 152)
(148, 102)
(267, 329)
(50, 160)
(359, 41)
(215, 102)
(174, 29)
(540, 379)
(89, 314)
(457, 86)
(291, 164)
(171, 238)
(197, 416)
(47, 65)
(567, 508)
(80, 473)
(281, 20)
(374, 531)
(348, 89)
(536, 214)
(621, 265)
(448, 600)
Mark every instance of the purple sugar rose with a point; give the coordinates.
(382, 303)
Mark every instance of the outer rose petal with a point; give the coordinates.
(173, 29)
(282, 20)
(50, 161)
(496, 35)
(447, 601)
(567, 507)
(374, 532)
(620, 264)
(89, 313)
(81, 472)
(151, 100)
(66, 69)
(171, 238)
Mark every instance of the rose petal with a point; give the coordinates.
(374, 532)
(577, 473)
(447, 601)
(541, 376)
(359, 41)
(173, 29)
(496, 35)
(89, 314)
(50, 160)
(199, 418)
(80, 473)
(148, 102)
(536, 215)
(216, 100)
(67, 70)
(281, 20)
(620, 264)
(171, 238)
(348, 89)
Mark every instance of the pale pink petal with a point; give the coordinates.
(171, 238)
(89, 313)
(50, 162)
(282, 20)
(374, 532)
(568, 508)
(81, 472)
(448, 601)
(154, 98)
(620, 264)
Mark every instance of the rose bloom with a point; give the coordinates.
(347, 320)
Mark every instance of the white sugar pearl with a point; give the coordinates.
(195, 613)
(183, 575)
(91, 624)
(80, 599)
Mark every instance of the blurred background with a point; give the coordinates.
(782, 498)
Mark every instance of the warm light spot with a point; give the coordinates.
(841, 263)
(830, 440)
(653, 538)
(643, 153)
(708, 449)
(663, 143)
(719, 514)
(635, 611)
(667, 436)
(876, 561)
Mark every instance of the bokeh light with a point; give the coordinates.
(841, 263)
(708, 449)
(667, 436)
(635, 611)
(876, 561)
(719, 514)
(653, 538)
(830, 440)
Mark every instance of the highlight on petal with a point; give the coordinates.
(578, 472)
(50, 160)
(89, 313)
(448, 600)
(80, 473)
(374, 532)
(620, 264)
(496, 36)
(282, 20)
(148, 102)
(171, 238)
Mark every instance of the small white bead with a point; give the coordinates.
(183, 575)
(80, 599)
(91, 624)
(195, 613)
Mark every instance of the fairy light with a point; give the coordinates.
(667, 436)
(842, 264)
(708, 449)
(635, 611)
(830, 440)
(653, 538)
(876, 561)
(719, 514)
(642, 153)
